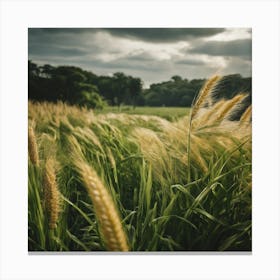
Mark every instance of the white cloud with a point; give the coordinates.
(117, 47)
(231, 34)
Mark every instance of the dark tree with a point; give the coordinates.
(135, 90)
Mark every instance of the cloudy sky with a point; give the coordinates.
(153, 54)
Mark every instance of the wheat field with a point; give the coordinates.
(128, 182)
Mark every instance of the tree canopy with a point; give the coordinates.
(76, 86)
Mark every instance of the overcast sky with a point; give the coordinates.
(153, 54)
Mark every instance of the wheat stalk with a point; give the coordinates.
(51, 193)
(108, 219)
(32, 146)
(207, 89)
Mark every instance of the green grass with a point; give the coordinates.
(169, 113)
(167, 199)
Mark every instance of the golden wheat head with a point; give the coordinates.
(51, 193)
(205, 92)
(107, 216)
(32, 146)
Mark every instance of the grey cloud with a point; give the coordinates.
(145, 34)
(59, 44)
(142, 56)
(44, 50)
(128, 63)
(241, 47)
(41, 36)
(190, 62)
(63, 30)
(163, 34)
(238, 65)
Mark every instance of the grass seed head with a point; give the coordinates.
(105, 210)
(51, 194)
(32, 146)
(204, 93)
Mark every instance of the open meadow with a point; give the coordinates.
(139, 182)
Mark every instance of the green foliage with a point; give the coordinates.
(91, 100)
(177, 92)
(76, 86)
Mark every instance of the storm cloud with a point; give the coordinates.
(146, 34)
(153, 54)
(164, 34)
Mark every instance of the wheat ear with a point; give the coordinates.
(246, 116)
(108, 219)
(205, 119)
(228, 106)
(51, 194)
(32, 147)
(206, 90)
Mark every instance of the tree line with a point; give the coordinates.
(77, 86)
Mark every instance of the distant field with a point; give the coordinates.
(169, 113)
